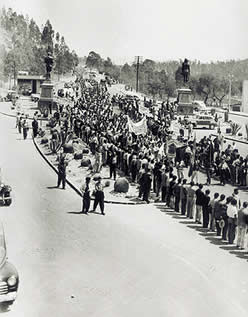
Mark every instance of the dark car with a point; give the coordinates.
(9, 279)
(25, 91)
(5, 195)
(35, 97)
(61, 93)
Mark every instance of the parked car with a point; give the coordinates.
(25, 91)
(5, 194)
(9, 278)
(199, 105)
(12, 95)
(61, 93)
(204, 121)
(35, 97)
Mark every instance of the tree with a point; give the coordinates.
(94, 60)
(205, 86)
(47, 36)
(220, 89)
(179, 77)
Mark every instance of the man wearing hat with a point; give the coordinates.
(99, 196)
(85, 189)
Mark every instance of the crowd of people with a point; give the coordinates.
(101, 121)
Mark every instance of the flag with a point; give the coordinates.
(137, 127)
(88, 85)
(161, 151)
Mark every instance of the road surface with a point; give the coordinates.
(135, 261)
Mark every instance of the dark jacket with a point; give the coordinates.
(199, 197)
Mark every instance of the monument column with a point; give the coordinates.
(46, 102)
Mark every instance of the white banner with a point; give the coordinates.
(139, 127)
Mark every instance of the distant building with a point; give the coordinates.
(31, 81)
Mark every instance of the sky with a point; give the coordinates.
(205, 30)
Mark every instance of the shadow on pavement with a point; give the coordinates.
(95, 212)
(204, 232)
(240, 254)
(215, 240)
(77, 213)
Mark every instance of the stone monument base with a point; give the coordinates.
(46, 103)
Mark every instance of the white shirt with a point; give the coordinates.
(232, 211)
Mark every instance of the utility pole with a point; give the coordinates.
(230, 77)
(138, 60)
(226, 114)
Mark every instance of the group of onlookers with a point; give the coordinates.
(225, 215)
(101, 122)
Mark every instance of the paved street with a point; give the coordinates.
(135, 261)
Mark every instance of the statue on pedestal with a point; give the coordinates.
(185, 70)
(49, 64)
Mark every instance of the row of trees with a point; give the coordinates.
(209, 82)
(23, 46)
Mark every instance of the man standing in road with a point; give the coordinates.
(99, 196)
(183, 197)
(25, 129)
(191, 201)
(146, 181)
(35, 127)
(85, 189)
(199, 202)
(177, 192)
(61, 173)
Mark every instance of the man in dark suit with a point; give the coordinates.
(62, 173)
(177, 191)
(183, 197)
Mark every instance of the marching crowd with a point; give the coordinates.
(101, 121)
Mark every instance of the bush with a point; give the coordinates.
(107, 183)
(121, 185)
(85, 162)
(96, 177)
(235, 127)
(78, 156)
(44, 141)
(41, 133)
(68, 148)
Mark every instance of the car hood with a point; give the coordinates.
(3, 256)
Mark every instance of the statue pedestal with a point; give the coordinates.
(46, 103)
(184, 100)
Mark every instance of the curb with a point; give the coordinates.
(74, 187)
(232, 139)
(67, 181)
(14, 116)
